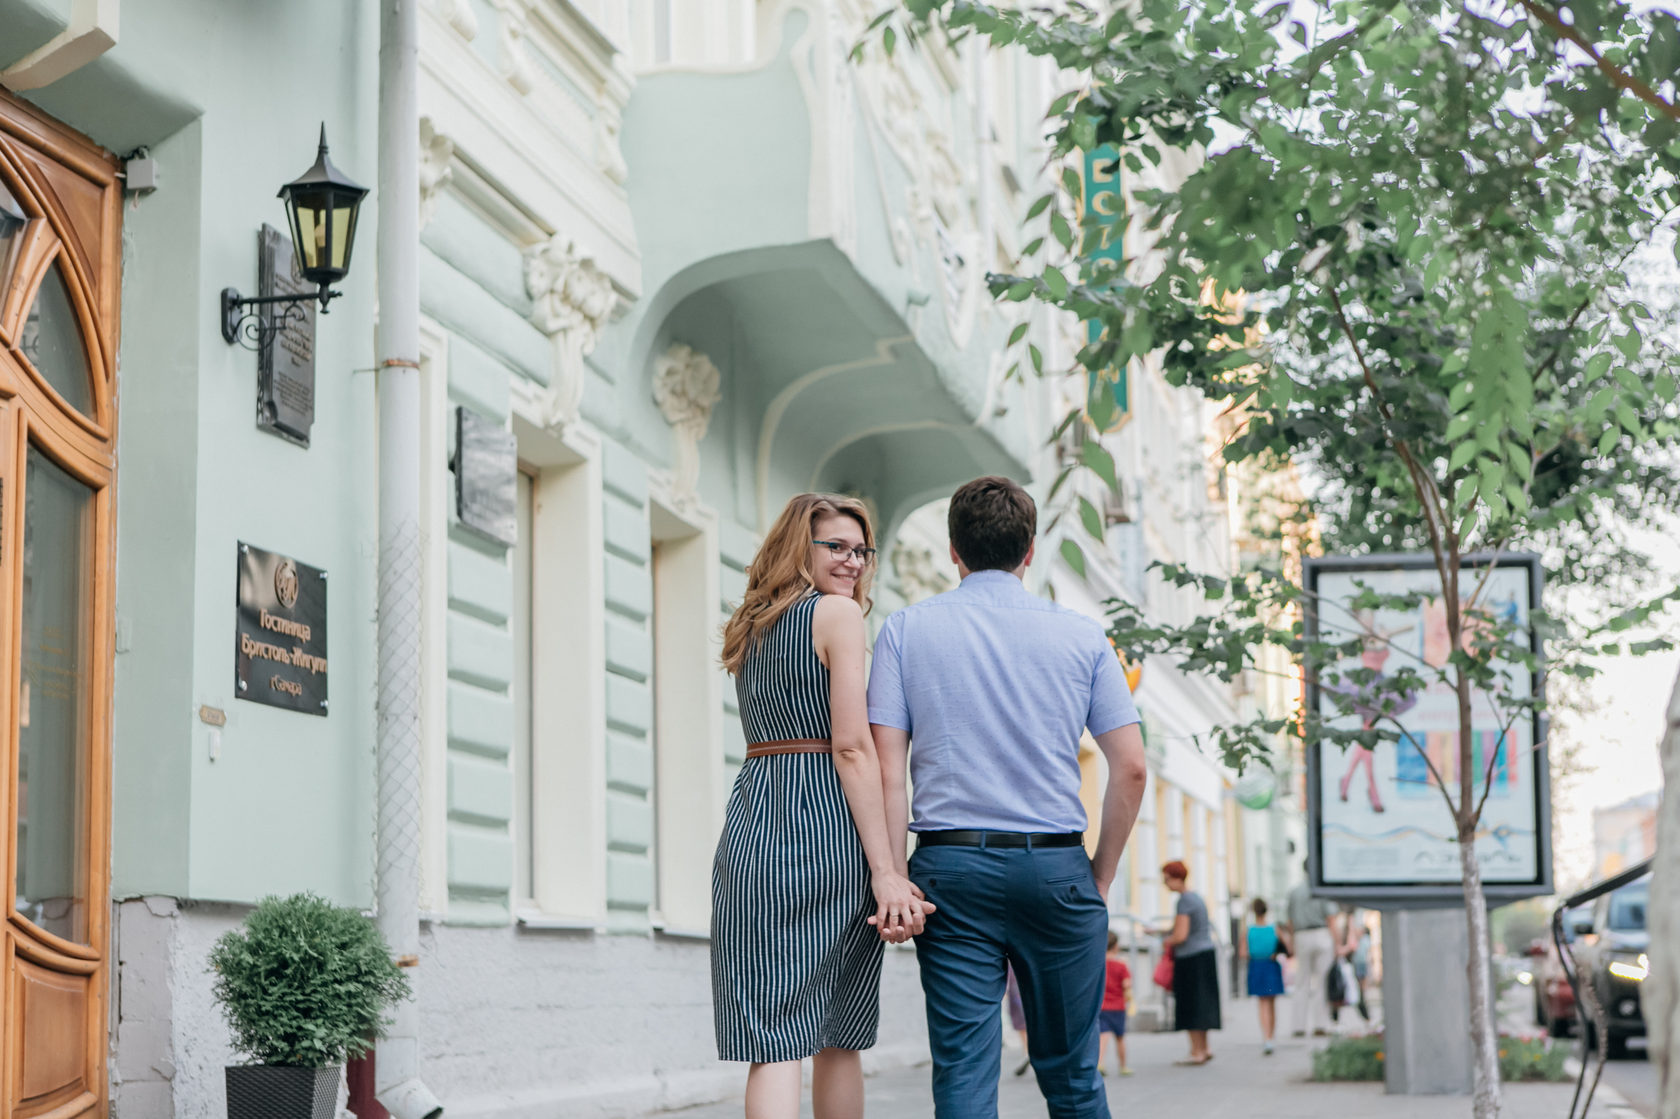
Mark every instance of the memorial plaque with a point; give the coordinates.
(286, 358)
(280, 644)
(486, 476)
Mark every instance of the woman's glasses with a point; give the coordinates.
(863, 555)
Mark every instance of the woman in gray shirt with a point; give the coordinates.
(1195, 966)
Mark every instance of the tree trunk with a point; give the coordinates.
(1661, 994)
(1486, 1101)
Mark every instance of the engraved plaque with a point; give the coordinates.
(286, 361)
(280, 639)
(486, 476)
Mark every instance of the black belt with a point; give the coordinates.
(1029, 840)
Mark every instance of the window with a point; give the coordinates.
(524, 886)
(1627, 907)
(661, 31)
(559, 684)
(688, 783)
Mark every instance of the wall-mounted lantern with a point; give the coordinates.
(321, 208)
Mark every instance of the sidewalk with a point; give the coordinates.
(1239, 1081)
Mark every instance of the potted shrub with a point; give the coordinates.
(303, 985)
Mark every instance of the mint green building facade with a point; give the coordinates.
(696, 261)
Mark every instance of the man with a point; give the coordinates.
(1310, 923)
(992, 686)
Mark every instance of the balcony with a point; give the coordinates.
(813, 225)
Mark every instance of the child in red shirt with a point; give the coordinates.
(1117, 993)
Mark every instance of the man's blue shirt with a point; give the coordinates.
(994, 686)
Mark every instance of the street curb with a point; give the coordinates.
(1616, 1103)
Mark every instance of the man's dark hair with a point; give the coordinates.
(992, 523)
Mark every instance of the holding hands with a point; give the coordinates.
(901, 909)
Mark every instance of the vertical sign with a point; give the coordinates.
(280, 638)
(286, 358)
(1379, 828)
(486, 476)
(1102, 217)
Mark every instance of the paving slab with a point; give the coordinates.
(1240, 1081)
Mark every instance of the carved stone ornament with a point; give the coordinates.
(609, 158)
(517, 67)
(572, 299)
(919, 573)
(685, 386)
(436, 150)
(460, 16)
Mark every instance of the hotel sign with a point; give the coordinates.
(280, 643)
(1103, 241)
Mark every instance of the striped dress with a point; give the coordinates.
(795, 966)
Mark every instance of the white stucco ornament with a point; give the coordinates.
(609, 157)
(460, 16)
(517, 68)
(571, 300)
(436, 150)
(920, 574)
(685, 386)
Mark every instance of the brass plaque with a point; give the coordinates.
(280, 647)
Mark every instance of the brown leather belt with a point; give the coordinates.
(790, 746)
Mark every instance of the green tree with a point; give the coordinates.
(1404, 262)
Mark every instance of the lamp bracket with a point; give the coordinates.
(253, 329)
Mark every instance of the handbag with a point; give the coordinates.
(1335, 990)
(1164, 971)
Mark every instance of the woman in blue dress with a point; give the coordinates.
(1265, 973)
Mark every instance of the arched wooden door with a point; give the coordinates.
(60, 255)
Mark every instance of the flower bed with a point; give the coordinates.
(1361, 1058)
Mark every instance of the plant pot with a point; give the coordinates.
(282, 1092)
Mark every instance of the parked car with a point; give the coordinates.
(1554, 999)
(1614, 957)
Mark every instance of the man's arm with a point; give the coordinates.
(892, 746)
(1128, 773)
(889, 723)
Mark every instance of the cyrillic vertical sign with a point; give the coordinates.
(1102, 214)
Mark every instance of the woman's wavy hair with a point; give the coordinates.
(780, 575)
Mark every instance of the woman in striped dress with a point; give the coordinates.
(804, 888)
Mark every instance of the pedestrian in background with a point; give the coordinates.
(803, 869)
(1265, 972)
(1349, 967)
(1359, 935)
(1195, 965)
(1117, 998)
(1017, 1017)
(1308, 922)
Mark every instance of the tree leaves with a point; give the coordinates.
(1074, 556)
(1091, 519)
(1403, 264)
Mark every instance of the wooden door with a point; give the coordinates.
(60, 255)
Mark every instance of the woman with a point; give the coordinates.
(803, 868)
(1265, 973)
(1195, 966)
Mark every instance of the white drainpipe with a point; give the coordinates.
(397, 1083)
(92, 31)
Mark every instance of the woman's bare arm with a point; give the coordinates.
(837, 632)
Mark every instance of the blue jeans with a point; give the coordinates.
(1040, 910)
